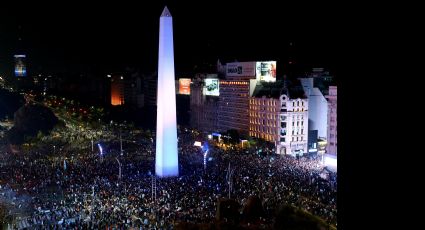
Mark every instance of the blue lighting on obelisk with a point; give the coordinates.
(166, 162)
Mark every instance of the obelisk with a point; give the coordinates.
(166, 162)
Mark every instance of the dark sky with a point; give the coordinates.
(105, 37)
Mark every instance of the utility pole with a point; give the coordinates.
(229, 178)
(121, 142)
(92, 143)
(154, 189)
(119, 172)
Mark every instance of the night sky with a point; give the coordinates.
(107, 37)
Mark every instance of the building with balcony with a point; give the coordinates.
(294, 123)
(332, 121)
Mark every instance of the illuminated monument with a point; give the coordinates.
(166, 162)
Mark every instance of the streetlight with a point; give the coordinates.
(229, 178)
(205, 160)
(121, 142)
(92, 147)
(119, 172)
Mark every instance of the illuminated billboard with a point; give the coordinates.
(20, 68)
(212, 87)
(184, 86)
(237, 69)
(266, 71)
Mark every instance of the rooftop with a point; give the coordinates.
(294, 90)
(268, 89)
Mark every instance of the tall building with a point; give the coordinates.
(150, 89)
(316, 86)
(318, 107)
(294, 123)
(278, 113)
(20, 66)
(234, 97)
(234, 105)
(264, 110)
(133, 90)
(332, 121)
(117, 90)
(166, 162)
(203, 108)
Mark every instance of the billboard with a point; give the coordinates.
(184, 86)
(20, 68)
(266, 71)
(237, 69)
(212, 87)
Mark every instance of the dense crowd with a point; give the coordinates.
(85, 191)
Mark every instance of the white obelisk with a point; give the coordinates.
(166, 162)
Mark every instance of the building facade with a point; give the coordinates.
(318, 108)
(203, 108)
(150, 87)
(332, 121)
(264, 119)
(117, 90)
(293, 125)
(234, 105)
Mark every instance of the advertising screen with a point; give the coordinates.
(20, 68)
(266, 71)
(184, 86)
(211, 87)
(237, 69)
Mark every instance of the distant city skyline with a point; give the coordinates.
(83, 38)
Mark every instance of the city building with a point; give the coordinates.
(316, 86)
(318, 108)
(133, 90)
(332, 121)
(234, 105)
(234, 97)
(150, 88)
(203, 108)
(20, 66)
(117, 90)
(264, 110)
(294, 112)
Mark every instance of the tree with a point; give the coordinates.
(292, 218)
(29, 120)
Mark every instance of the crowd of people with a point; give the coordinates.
(81, 188)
